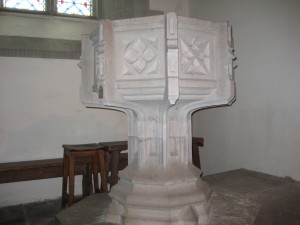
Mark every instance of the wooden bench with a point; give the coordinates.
(53, 168)
(37, 169)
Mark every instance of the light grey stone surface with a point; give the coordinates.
(243, 197)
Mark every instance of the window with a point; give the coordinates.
(79, 7)
(83, 8)
(37, 5)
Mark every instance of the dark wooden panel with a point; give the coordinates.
(30, 174)
(31, 164)
(37, 169)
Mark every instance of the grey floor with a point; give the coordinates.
(243, 197)
(240, 197)
(39, 213)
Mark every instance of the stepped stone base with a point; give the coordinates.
(240, 197)
(171, 196)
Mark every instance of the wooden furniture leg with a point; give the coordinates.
(65, 181)
(102, 171)
(115, 155)
(95, 173)
(112, 154)
(71, 180)
(86, 181)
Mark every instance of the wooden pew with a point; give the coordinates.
(37, 169)
(52, 168)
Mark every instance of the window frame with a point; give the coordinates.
(51, 9)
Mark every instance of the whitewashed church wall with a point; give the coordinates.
(40, 111)
(260, 131)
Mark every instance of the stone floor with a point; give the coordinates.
(243, 197)
(240, 197)
(39, 213)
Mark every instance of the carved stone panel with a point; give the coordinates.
(139, 59)
(195, 56)
(140, 56)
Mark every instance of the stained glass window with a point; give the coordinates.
(52, 7)
(35, 5)
(75, 7)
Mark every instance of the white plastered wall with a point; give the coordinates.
(41, 109)
(260, 131)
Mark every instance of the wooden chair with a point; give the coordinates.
(72, 152)
(113, 154)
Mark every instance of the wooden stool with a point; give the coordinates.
(113, 152)
(71, 152)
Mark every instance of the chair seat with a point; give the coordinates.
(83, 147)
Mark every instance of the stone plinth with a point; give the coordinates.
(158, 70)
(240, 197)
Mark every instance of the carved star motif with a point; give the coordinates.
(195, 56)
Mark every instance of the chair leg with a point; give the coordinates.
(86, 181)
(71, 180)
(102, 171)
(115, 155)
(108, 167)
(65, 181)
(95, 174)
